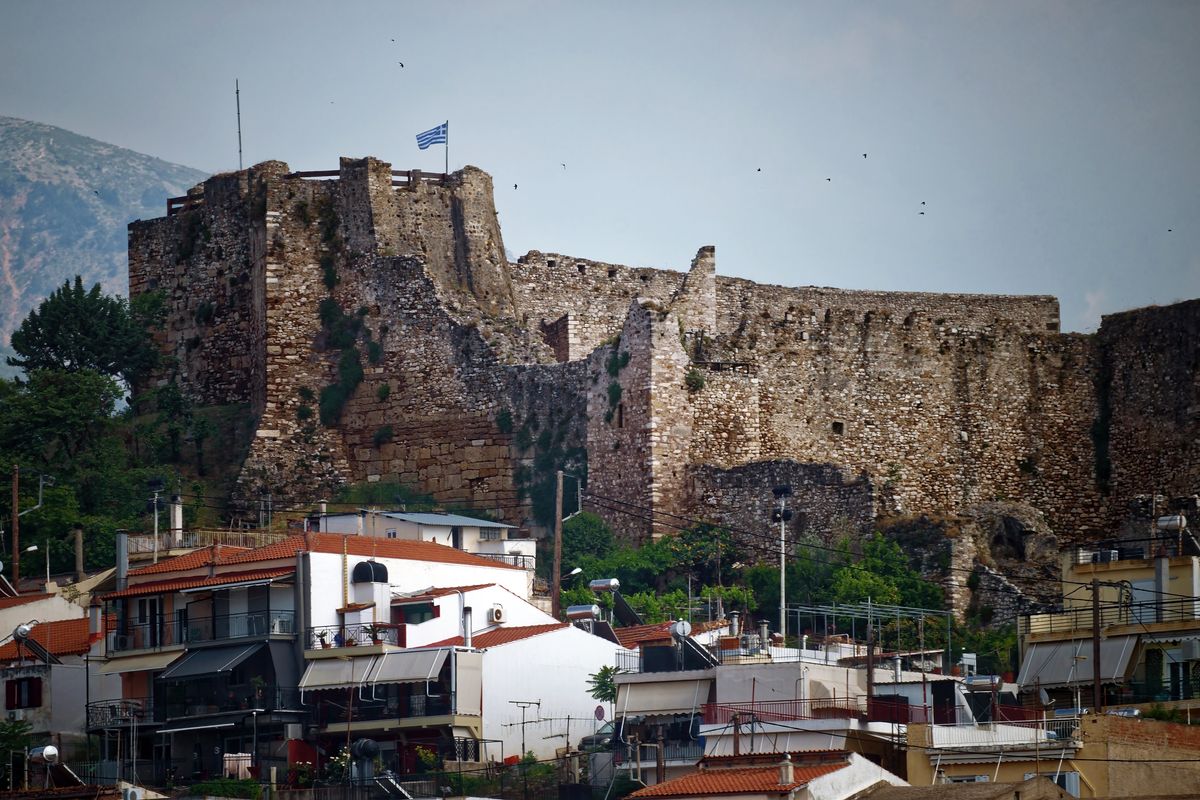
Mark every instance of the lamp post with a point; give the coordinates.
(782, 515)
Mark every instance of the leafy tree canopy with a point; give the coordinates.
(75, 330)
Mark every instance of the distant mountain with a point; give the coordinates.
(65, 200)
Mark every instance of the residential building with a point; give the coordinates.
(1038, 788)
(317, 637)
(48, 679)
(482, 537)
(515, 683)
(1096, 755)
(1149, 611)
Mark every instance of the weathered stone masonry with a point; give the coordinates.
(690, 393)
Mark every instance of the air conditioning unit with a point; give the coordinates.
(1191, 650)
(132, 793)
(496, 614)
(17, 714)
(293, 730)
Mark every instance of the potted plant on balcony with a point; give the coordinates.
(375, 631)
(258, 683)
(323, 638)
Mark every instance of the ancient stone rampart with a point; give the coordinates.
(371, 320)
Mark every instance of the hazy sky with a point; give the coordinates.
(1053, 143)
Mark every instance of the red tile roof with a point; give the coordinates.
(179, 584)
(440, 591)
(362, 546)
(752, 780)
(67, 637)
(636, 635)
(502, 635)
(21, 599)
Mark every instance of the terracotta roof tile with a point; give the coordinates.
(634, 635)
(200, 557)
(67, 637)
(179, 584)
(21, 599)
(502, 635)
(753, 780)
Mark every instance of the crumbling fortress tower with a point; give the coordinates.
(370, 320)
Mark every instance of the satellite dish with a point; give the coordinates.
(22, 631)
(44, 755)
(1044, 696)
(681, 629)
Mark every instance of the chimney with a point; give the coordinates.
(362, 515)
(764, 634)
(466, 626)
(787, 775)
(734, 630)
(323, 507)
(176, 519)
(78, 552)
(122, 560)
(95, 611)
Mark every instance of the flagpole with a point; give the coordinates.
(447, 147)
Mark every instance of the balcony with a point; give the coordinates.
(674, 752)
(354, 634)
(1017, 734)
(1178, 610)
(332, 712)
(120, 713)
(521, 560)
(201, 701)
(167, 632)
(785, 710)
(142, 546)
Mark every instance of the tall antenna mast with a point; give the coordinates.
(237, 93)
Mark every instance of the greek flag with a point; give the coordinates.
(436, 135)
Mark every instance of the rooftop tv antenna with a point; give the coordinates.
(237, 94)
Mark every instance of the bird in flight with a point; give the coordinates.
(759, 169)
(514, 186)
(864, 155)
(564, 166)
(401, 63)
(922, 202)
(829, 180)
(921, 213)
(1168, 230)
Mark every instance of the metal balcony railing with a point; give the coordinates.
(782, 710)
(202, 699)
(330, 712)
(1021, 733)
(351, 635)
(119, 713)
(165, 632)
(1175, 609)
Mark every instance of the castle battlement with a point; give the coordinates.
(370, 320)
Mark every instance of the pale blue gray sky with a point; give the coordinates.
(1053, 143)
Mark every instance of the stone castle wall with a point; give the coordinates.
(867, 402)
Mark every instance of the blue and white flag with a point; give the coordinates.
(436, 135)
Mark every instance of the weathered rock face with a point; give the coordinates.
(684, 392)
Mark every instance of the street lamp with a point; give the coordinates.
(782, 515)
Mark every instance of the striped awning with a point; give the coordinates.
(1050, 665)
(336, 673)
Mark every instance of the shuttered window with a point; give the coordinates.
(23, 693)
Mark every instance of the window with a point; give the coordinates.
(23, 693)
(417, 613)
(391, 533)
(967, 779)
(839, 428)
(489, 534)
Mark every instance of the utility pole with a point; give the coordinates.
(555, 594)
(1097, 690)
(870, 658)
(16, 527)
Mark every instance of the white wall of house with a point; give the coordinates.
(767, 737)
(859, 774)
(48, 609)
(517, 613)
(552, 668)
(328, 580)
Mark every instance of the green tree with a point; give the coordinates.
(75, 330)
(14, 735)
(54, 416)
(603, 685)
(586, 534)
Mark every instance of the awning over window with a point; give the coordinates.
(210, 661)
(336, 673)
(1052, 665)
(662, 697)
(408, 667)
(142, 663)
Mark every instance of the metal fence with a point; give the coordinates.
(1183, 609)
(354, 634)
